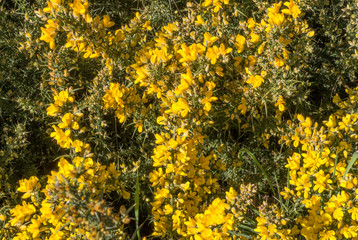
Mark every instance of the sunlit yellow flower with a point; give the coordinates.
(255, 81)
(280, 103)
(49, 33)
(292, 9)
(27, 186)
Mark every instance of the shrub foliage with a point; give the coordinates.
(217, 119)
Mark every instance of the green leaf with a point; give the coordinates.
(260, 166)
(335, 165)
(136, 208)
(279, 194)
(350, 164)
(247, 228)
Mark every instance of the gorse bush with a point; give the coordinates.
(179, 120)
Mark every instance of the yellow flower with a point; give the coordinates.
(321, 181)
(147, 26)
(159, 139)
(155, 177)
(331, 123)
(252, 60)
(168, 209)
(161, 41)
(251, 23)
(223, 50)
(190, 53)
(231, 195)
(173, 144)
(280, 103)
(261, 48)
(139, 126)
(238, 60)
(254, 37)
(67, 122)
(275, 9)
(35, 226)
(213, 54)
(256, 81)
(354, 212)
(310, 33)
(209, 40)
(161, 120)
(219, 71)
(52, 110)
(240, 43)
(22, 213)
(199, 21)
(278, 62)
(292, 9)
(27, 186)
(242, 107)
(350, 232)
(77, 144)
(63, 138)
(186, 81)
(49, 33)
(207, 101)
(276, 19)
(161, 194)
(78, 7)
(171, 27)
(106, 22)
(328, 235)
(63, 97)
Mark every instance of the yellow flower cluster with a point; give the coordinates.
(321, 176)
(181, 74)
(28, 187)
(72, 194)
(69, 122)
(202, 224)
(122, 99)
(93, 39)
(70, 203)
